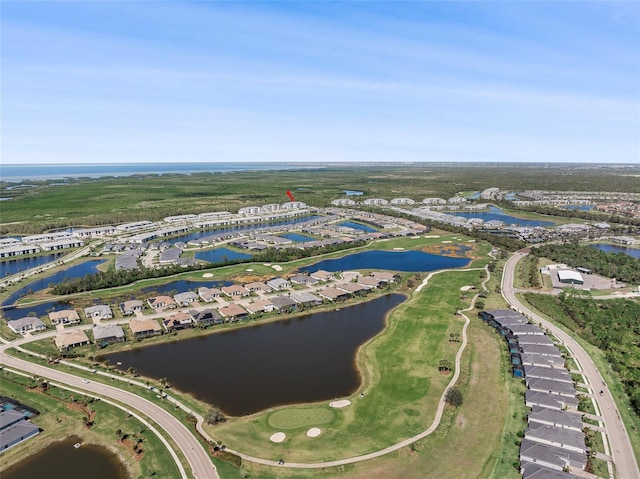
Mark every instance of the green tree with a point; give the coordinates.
(454, 397)
(215, 416)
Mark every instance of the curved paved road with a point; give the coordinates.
(621, 450)
(196, 456)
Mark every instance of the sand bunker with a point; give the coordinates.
(447, 241)
(266, 264)
(466, 288)
(277, 437)
(313, 432)
(340, 403)
(207, 275)
(398, 249)
(249, 269)
(432, 236)
(277, 267)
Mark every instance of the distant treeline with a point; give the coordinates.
(611, 325)
(612, 265)
(112, 278)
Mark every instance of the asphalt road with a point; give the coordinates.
(197, 457)
(622, 454)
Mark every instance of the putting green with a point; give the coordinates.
(294, 418)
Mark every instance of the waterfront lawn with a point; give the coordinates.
(401, 386)
(57, 421)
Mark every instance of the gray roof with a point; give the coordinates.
(540, 340)
(557, 374)
(503, 313)
(9, 417)
(561, 437)
(522, 329)
(282, 302)
(305, 297)
(278, 283)
(553, 401)
(107, 331)
(101, 309)
(541, 350)
(18, 324)
(551, 386)
(205, 315)
(556, 417)
(533, 471)
(184, 297)
(14, 433)
(544, 361)
(535, 452)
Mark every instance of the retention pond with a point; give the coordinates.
(304, 359)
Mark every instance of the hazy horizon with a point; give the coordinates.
(320, 82)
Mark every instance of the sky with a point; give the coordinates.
(233, 81)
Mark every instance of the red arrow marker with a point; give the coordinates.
(290, 195)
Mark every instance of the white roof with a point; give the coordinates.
(567, 274)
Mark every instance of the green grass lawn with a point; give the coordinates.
(57, 421)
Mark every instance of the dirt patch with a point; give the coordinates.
(451, 250)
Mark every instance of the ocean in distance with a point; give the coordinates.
(16, 173)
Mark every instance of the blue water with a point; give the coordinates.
(77, 271)
(608, 248)
(40, 310)
(353, 193)
(389, 260)
(357, 226)
(220, 255)
(297, 237)
(579, 207)
(510, 196)
(22, 264)
(234, 229)
(497, 214)
(182, 286)
(42, 172)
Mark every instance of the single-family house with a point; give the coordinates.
(144, 327)
(278, 284)
(551, 386)
(283, 304)
(131, 306)
(28, 323)
(17, 432)
(322, 275)
(303, 279)
(333, 294)
(557, 374)
(369, 282)
(176, 321)
(99, 311)
(205, 317)
(541, 350)
(107, 334)
(65, 316)
(556, 418)
(161, 302)
(552, 457)
(258, 287)
(352, 288)
(233, 312)
(384, 276)
(260, 305)
(550, 401)
(235, 290)
(305, 298)
(186, 298)
(208, 294)
(66, 340)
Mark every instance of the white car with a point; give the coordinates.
(86, 381)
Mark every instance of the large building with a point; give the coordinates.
(568, 276)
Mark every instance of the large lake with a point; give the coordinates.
(220, 255)
(497, 214)
(609, 248)
(417, 261)
(62, 461)
(305, 359)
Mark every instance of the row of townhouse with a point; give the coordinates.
(554, 442)
(106, 334)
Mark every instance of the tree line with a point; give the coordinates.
(621, 266)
